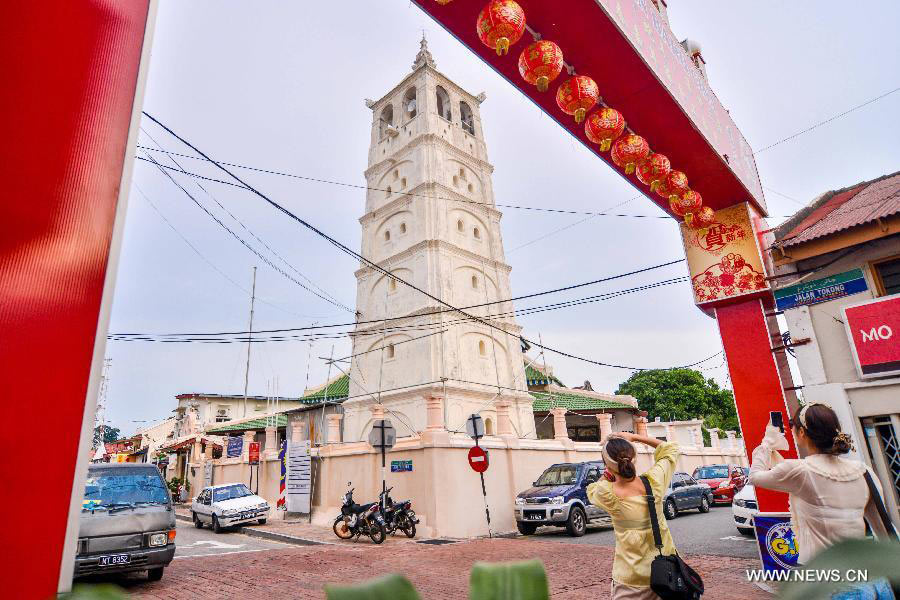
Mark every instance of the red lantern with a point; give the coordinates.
(675, 184)
(687, 205)
(540, 63)
(500, 24)
(604, 126)
(653, 169)
(629, 150)
(577, 95)
(705, 217)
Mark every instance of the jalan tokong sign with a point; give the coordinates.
(821, 290)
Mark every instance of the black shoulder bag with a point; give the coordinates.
(879, 504)
(670, 577)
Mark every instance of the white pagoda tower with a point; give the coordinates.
(430, 219)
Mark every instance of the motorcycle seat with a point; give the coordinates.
(361, 508)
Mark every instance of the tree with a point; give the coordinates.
(682, 394)
(110, 434)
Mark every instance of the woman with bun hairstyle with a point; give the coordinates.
(829, 496)
(621, 493)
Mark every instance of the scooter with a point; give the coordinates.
(397, 515)
(359, 519)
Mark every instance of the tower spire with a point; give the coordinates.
(424, 56)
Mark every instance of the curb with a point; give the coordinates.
(266, 535)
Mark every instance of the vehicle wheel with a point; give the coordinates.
(669, 509)
(155, 574)
(577, 523)
(261, 521)
(409, 530)
(704, 505)
(215, 524)
(197, 522)
(377, 532)
(526, 528)
(745, 530)
(341, 530)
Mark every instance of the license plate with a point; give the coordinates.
(248, 515)
(534, 517)
(115, 559)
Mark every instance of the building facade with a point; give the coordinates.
(430, 220)
(838, 257)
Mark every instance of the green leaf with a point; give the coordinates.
(389, 587)
(879, 559)
(525, 580)
(105, 591)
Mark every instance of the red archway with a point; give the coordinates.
(78, 82)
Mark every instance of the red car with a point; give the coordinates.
(724, 480)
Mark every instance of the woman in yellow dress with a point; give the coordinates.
(621, 493)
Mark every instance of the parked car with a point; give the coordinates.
(724, 480)
(744, 508)
(685, 493)
(127, 521)
(559, 498)
(226, 505)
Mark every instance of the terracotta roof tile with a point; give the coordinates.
(843, 209)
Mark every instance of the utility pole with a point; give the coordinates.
(249, 341)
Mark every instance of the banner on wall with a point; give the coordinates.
(235, 446)
(282, 458)
(775, 541)
(724, 258)
(873, 328)
(299, 477)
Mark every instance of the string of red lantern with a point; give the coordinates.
(501, 23)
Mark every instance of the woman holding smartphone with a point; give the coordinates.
(829, 495)
(621, 493)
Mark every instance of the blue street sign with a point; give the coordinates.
(821, 290)
(235, 446)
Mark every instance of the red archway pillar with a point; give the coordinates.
(72, 76)
(755, 379)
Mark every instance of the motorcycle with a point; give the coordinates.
(397, 515)
(359, 519)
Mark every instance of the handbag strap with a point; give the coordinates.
(879, 504)
(654, 518)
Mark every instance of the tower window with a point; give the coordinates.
(474, 282)
(403, 183)
(462, 174)
(387, 235)
(387, 192)
(459, 225)
(390, 351)
(488, 426)
(471, 188)
(392, 285)
(482, 349)
(402, 227)
(386, 118)
(410, 106)
(455, 181)
(396, 174)
(477, 233)
(467, 119)
(443, 104)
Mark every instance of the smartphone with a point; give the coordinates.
(777, 420)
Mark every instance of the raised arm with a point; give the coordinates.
(635, 438)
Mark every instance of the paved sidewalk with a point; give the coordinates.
(438, 572)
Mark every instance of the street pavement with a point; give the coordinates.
(234, 565)
(694, 533)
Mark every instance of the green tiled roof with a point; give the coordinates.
(338, 389)
(544, 402)
(534, 376)
(253, 424)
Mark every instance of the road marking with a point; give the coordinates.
(225, 553)
(214, 544)
(738, 538)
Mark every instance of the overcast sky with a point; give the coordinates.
(280, 85)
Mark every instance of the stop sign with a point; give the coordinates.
(478, 459)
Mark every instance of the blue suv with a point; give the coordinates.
(559, 498)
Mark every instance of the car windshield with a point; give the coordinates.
(110, 488)
(711, 473)
(559, 475)
(232, 491)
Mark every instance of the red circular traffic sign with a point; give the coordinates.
(478, 459)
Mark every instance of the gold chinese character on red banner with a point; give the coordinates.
(724, 257)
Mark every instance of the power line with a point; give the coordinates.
(435, 312)
(247, 229)
(244, 242)
(828, 120)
